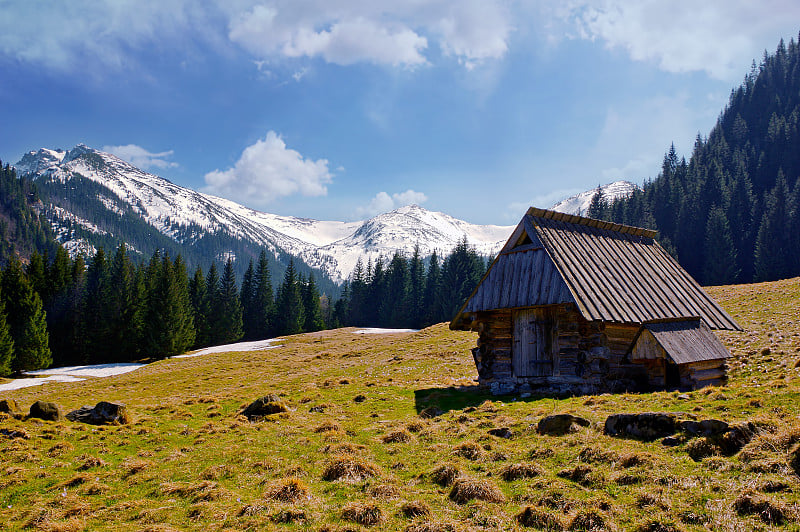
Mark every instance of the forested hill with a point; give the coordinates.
(22, 230)
(732, 213)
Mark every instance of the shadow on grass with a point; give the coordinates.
(451, 398)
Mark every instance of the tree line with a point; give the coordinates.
(731, 214)
(60, 311)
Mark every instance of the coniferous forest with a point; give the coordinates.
(59, 311)
(731, 214)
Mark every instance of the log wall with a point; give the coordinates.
(589, 356)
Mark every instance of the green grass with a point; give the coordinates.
(188, 461)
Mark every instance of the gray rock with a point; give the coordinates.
(504, 432)
(10, 407)
(706, 427)
(103, 413)
(46, 410)
(269, 404)
(647, 426)
(560, 424)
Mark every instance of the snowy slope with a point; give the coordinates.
(579, 203)
(185, 215)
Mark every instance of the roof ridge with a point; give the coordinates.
(591, 222)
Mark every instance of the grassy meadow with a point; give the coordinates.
(389, 432)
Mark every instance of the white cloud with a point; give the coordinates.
(140, 157)
(101, 34)
(268, 170)
(383, 202)
(685, 35)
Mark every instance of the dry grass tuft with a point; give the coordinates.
(634, 459)
(290, 489)
(343, 448)
(349, 468)
(250, 510)
(583, 475)
(432, 526)
(658, 526)
(593, 454)
(216, 472)
(384, 492)
(60, 449)
(538, 519)
(76, 480)
(467, 489)
(328, 426)
(416, 426)
(413, 509)
(469, 450)
(517, 471)
(445, 475)
(362, 513)
(91, 462)
(132, 467)
(751, 503)
(397, 436)
(589, 520)
(289, 515)
(555, 500)
(201, 491)
(430, 412)
(700, 448)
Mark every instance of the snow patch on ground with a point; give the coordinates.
(257, 345)
(98, 370)
(375, 330)
(16, 384)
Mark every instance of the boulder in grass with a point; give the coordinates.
(269, 404)
(560, 424)
(794, 459)
(46, 410)
(103, 413)
(10, 407)
(647, 426)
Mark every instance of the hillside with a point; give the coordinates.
(731, 213)
(189, 461)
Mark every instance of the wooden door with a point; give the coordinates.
(532, 347)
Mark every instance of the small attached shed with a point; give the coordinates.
(679, 353)
(562, 305)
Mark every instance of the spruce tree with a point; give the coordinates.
(263, 312)
(433, 285)
(210, 306)
(169, 328)
(26, 320)
(124, 309)
(311, 306)
(720, 254)
(289, 303)
(773, 243)
(416, 295)
(247, 293)
(461, 272)
(6, 343)
(197, 295)
(597, 207)
(227, 320)
(94, 319)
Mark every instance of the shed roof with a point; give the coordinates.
(611, 272)
(684, 341)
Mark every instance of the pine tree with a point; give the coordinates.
(461, 272)
(289, 303)
(395, 309)
(209, 306)
(26, 320)
(773, 243)
(597, 207)
(94, 323)
(123, 309)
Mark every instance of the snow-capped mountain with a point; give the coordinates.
(121, 192)
(579, 203)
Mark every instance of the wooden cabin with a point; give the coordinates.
(573, 305)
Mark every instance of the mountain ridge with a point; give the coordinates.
(185, 216)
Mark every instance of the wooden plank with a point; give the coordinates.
(708, 374)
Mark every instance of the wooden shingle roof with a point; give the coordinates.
(684, 341)
(611, 272)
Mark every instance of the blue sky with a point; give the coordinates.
(339, 109)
